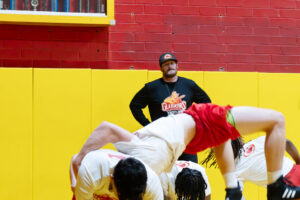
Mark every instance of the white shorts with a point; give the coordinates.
(158, 144)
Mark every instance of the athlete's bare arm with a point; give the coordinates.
(105, 133)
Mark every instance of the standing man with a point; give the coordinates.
(168, 95)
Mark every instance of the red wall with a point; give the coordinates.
(243, 35)
(53, 47)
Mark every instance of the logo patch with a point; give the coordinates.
(167, 56)
(116, 156)
(174, 104)
(182, 164)
(249, 150)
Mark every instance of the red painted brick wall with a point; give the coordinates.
(245, 35)
(53, 47)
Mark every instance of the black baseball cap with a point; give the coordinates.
(166, 57)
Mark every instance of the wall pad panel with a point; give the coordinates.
(62, 122)
(46, 116)
(16, 133)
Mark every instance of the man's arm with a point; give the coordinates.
(139, 102)
(207, 197)
(105, 133)
(292, 151)
(199, 95)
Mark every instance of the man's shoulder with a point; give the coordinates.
(187, 80)
(155, 82)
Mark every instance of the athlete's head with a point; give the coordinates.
(130, 178)
(168, 65)
(190, 185)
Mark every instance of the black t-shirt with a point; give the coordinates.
(165, 98)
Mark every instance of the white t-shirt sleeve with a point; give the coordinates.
(260, 140)
(94, 172)
(208, 189)
(92, 175)
(154, 189)
(84, 187)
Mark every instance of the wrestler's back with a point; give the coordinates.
(189, 126)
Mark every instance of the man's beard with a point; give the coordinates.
(167, 75)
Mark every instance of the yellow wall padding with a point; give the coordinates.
(62, 123)
(16, 133)
(47, 114)
(282, 92)
(112, 92)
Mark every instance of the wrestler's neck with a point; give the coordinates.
(170, 79)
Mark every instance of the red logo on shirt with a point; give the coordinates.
(182, 164)
(174, 104)
(103, 197)
(116, 156)
(249, 150)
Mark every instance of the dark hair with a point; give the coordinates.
(130, 177)
(190, 185)
(237, 147)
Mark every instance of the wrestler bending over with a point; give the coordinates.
(160, 143)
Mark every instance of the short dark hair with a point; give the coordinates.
(130, 177)
(190, 185)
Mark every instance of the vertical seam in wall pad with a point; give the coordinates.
(91, 100)
(32, 133)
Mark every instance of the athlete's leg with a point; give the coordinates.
(225, 160)
(250, 119)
